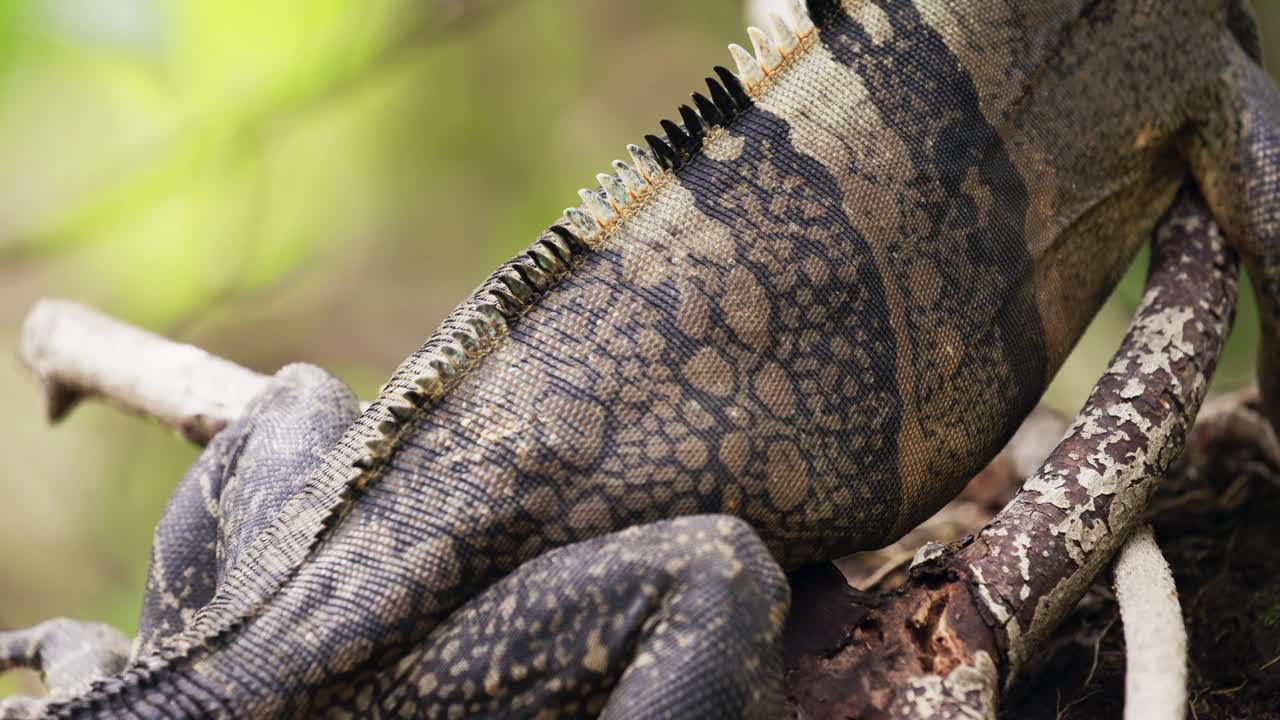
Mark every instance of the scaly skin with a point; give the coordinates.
(822, 323)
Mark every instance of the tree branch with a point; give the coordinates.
(969, 617)
(77, 352)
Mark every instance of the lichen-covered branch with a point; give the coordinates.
(78, 352)
(969, 618)
(1035, 560)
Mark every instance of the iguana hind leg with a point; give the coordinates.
(1236, 159)
(234, 489)
(681, 618)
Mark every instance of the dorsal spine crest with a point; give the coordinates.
(551, 257)
(500, 302)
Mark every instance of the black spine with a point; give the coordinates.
(667, 157)
(694, 125)
(710, 113)
(725, 104)
(678, 140)
(734, 86)
(571, 239)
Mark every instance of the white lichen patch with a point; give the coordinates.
(927, 552)
(1017, 652)
(1051, 489)
(1021, 544)
(1166, 342)
(1129, 413)
(1133, 388)
(996, 608)
(968, 691)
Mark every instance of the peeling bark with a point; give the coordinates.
(987, 604)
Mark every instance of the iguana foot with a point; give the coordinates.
(69, 654)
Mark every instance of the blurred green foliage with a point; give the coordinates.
(281, 181)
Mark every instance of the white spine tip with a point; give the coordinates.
(766, 53)
(618, 195)
(645, 163)
(601, 210)
(634, 181)
(748, 69)
(783, 37)
(799, 17)
(586, 225)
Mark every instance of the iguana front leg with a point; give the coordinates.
(235, 488)
(1235, 153)
(229, 494)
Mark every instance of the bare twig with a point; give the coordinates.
(1155, 637)
(78, 352)
(1090, 494)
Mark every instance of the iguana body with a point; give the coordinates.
(832, 313)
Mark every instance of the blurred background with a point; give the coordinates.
(279, 181)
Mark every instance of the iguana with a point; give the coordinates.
(790, 328)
